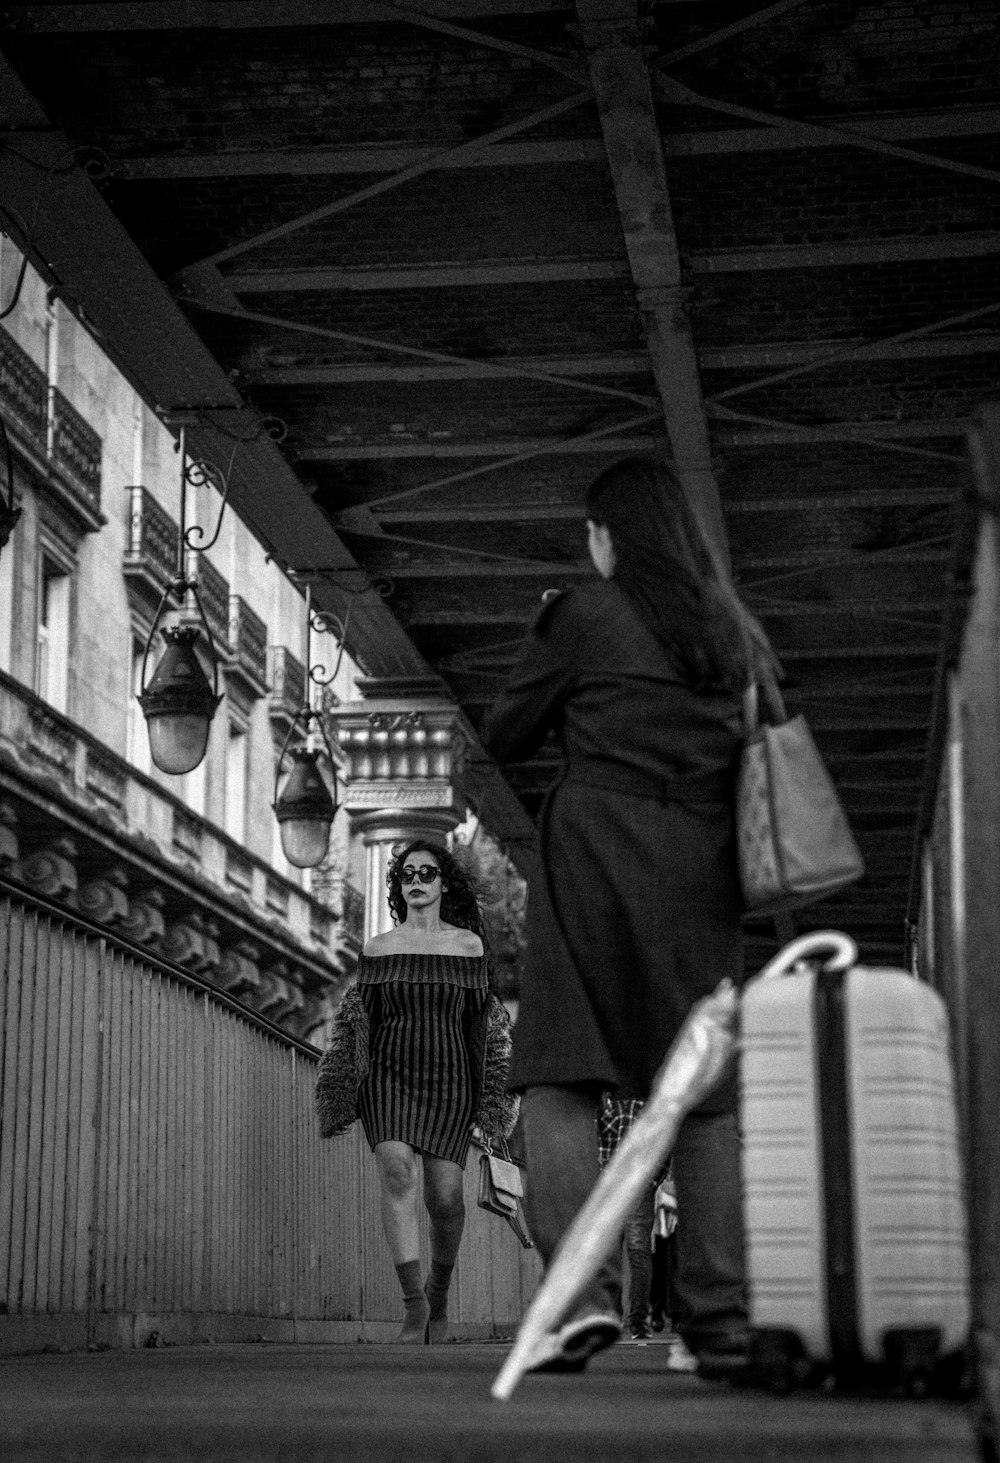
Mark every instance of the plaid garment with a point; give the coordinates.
(615, 1116)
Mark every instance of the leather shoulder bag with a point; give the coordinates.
(794, 841)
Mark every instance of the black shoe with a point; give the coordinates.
(657, 1321)
(570, 1348)
(639, 1331)
(723, 1360)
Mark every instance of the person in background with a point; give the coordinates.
(635, 911)
(649, 1246)
(419, 1052)
(614, 1118)
(664, 1268)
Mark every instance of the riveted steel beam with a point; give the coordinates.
(331, 278)
(711, 358)
(620, 80)
(532, 152)
(865, 432)
(244, 14)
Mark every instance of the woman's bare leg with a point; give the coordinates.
(398, 1177)
(445, 1201)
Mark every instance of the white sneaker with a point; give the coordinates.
(679, 1359)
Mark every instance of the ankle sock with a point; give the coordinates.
(409, 1280)
(414, 1301)
(436, 1289)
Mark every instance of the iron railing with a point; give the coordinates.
(161, 1167)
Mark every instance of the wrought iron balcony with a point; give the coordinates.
(247, 646)
(76, 450)
(52, 433)
(286, 676)
(23, 392)
(150, 560)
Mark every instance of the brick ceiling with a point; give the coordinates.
(470, 251)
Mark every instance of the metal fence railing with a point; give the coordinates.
(160, 1167)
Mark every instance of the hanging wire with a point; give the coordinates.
(92, 160)
(13, 216)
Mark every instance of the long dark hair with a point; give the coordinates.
(667, 567)
(459, 898)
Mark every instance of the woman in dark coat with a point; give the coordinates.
(636, 912)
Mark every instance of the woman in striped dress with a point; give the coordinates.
(425, 990)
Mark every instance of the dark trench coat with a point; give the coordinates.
(636, 911)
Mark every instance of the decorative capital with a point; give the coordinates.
(400, 752)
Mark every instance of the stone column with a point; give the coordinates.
(404, 750)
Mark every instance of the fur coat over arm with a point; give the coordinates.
(344, 1066)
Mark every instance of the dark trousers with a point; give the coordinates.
(661, 1285)
(561, 1152)
(638, 1252)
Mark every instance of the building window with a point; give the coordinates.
(7, 605)
(195, 787)
(237, 752)
(137, 735)
(52, 642)
(279, 863)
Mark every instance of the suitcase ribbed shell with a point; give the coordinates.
(909, 1224)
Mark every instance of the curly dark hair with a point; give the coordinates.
(460, 896)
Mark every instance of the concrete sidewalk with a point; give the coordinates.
(373, 1404)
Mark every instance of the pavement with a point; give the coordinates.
(376, 1403)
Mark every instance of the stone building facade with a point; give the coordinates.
(190, 868)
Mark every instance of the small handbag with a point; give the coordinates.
(794, 841)
(500, 1187)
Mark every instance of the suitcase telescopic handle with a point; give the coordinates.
(840, 951)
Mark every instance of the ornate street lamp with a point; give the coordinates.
(178, 702)
(305, 807)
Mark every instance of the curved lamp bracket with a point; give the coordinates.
(199, 473)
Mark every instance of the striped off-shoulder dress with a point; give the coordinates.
(424, 1013)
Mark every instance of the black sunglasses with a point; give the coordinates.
(426, 873)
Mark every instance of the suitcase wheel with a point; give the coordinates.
(778, 1361)
(986, 1438)
(912, 1358)
(954, 1376)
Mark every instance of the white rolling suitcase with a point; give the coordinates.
(855, 1217)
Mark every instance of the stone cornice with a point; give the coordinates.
(92, 811)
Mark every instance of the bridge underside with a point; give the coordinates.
(467, 255)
